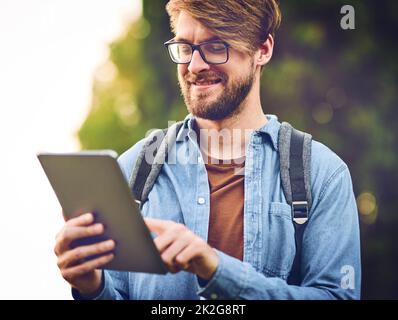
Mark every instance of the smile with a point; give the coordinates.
(205, 84)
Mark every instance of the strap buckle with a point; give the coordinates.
(300, 211)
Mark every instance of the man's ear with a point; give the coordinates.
(264, 53)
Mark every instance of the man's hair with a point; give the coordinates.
(244, 24)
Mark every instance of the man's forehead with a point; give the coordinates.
(192, 30)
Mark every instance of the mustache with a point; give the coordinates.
(205, 76)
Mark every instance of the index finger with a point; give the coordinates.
(156, 225)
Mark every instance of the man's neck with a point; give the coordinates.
(242, 121)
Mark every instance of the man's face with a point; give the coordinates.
(212, 92)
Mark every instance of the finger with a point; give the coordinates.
(157, 226)
(82, 220)
(173, 269)
(81, 269)
(190, 252)
(164, 240)
(169, 255)
(69, 234)
(72, 257)
(198, 258)
(174, 231)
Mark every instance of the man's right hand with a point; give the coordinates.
(83, 275)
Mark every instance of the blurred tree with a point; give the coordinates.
(136, 90)
(339, 85)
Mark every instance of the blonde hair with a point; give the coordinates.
(244, 24)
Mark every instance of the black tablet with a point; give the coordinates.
(92, 181)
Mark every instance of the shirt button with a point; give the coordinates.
(201, 200)
(213, 296)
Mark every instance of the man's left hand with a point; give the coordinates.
(181, 249)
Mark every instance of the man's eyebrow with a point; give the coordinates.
(213, 38)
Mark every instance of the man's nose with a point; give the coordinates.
(197, 64)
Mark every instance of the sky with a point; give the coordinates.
(49, 50)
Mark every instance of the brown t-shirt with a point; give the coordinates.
(226, 181)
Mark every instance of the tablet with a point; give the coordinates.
(92, 181)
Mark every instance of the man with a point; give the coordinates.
(221, 233)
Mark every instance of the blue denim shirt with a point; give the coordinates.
(331, 247)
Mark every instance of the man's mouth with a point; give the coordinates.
(206, 82)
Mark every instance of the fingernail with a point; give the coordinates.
(109, 244)
(98, 227)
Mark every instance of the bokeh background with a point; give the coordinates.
(339, 85)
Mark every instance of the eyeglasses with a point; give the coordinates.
(212, 52)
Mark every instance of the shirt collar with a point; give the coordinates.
(270, 129)
(186, 128)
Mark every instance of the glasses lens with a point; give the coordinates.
(215, 52)
(180, 52)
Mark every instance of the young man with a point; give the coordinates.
(224, 227)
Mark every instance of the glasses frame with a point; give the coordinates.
(198, 48)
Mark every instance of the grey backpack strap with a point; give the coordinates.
(150, 161)
(295, 162)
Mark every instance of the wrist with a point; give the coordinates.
(93, 290)
(212, 266)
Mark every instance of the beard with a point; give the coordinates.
(224, 105)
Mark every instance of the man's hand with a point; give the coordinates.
(81, 274)
(181, 249)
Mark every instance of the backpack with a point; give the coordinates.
(294, 159)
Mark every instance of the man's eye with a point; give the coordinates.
(215, 48)
(185, 50)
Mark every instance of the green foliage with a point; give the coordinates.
(339, 85)
(143, 92)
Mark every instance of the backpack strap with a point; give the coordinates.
(150, 160)
(295, 161)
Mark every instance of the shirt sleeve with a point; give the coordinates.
(115, 286)
(330, 262)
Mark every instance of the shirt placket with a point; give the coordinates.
(201, 202)
(252, 235)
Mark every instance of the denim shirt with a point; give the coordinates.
(330, 262)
